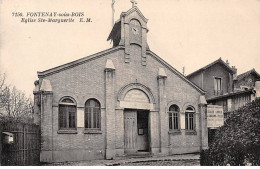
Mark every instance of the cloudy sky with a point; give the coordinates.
(190, 33)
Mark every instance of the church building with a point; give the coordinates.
(121, 101)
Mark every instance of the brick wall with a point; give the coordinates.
(88, 81)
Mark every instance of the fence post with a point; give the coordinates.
(24, 144)
(0, 143)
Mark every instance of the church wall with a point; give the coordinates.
(88, 81)
(175, 86)
(183, 142)
(182, 94)
(133, 72)
(46, 129)
(119, 140)
(81, 83)
(96, 79)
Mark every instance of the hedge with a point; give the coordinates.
(238, 141)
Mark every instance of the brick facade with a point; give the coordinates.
(91, 77)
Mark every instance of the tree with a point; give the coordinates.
(2, 93)
(13, 103)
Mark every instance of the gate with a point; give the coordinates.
(25, 149)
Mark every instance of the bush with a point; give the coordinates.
(238, 141)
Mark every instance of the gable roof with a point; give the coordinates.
(175, 71)
(77, 62)
(137, 10)
(115, 34)
(211, 64)
(252, 71)
(108, 51)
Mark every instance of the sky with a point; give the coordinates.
(185, 33)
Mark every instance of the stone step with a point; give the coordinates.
(136, 155)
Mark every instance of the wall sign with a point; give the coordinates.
(136, 95)
(140, 131)
(215, 117)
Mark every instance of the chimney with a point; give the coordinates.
(257, 88)
(227, 62)
(235, 72)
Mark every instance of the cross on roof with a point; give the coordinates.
(133, 2)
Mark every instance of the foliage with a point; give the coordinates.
(14, 105)
(238, 141)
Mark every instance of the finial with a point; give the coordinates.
(113, 11)
(227, 62)
(133, 3)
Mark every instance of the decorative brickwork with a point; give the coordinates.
(107, 77)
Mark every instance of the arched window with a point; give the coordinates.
(67, 114)
(174, 113)
(92, 114)
(190, 118)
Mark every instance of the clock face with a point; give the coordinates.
(135, 26)
(135, 31)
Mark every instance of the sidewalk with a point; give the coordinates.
(183, 157)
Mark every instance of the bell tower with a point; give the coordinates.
(131, 29)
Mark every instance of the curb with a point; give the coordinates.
(152, 160)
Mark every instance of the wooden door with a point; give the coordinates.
(130, 127)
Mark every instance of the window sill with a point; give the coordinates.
(92, 132)
(191, 132)
(67, 132)
(174, 132)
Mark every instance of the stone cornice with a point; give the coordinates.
(77, 62)
(175, 71)
(137, 10)
(122, 92)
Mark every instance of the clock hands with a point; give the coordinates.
(135, 30)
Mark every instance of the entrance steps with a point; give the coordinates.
(136, 155)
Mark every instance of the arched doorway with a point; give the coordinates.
(137, 102)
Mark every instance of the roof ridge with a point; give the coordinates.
(210, 64)
(176, 71)
(247, 72)
(76, 62)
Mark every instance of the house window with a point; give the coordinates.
(174, 117)
(67, 114)
(92, 114)
(218, 86)
(190, 119)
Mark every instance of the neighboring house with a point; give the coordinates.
(224, 87)
(246, 81)
(119, 101)
(215, 78)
